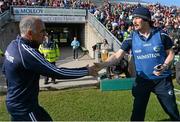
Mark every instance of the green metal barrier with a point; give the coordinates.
(176, 59)
(116, 84)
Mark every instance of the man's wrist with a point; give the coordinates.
(104, 64)
(165, 65)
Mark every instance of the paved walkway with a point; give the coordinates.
(66, 60)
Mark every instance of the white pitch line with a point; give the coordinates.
(178, 102)
(177, 90)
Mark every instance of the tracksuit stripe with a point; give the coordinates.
(44, 62)
(33, 118)
(63, 71)
(164, 34)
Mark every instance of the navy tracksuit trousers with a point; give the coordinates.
(39, 114)
(163, 88)
(75, 53)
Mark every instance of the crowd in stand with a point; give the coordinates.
(117, 19)
(82, 4)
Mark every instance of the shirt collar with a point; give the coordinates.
(153, 30)
(27, 42)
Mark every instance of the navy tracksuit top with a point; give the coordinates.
(22, 67)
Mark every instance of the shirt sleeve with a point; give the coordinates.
(72, 43)
(78, 43)
(34, 61)
(166, 40)
(127, 44)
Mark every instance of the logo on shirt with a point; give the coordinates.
(170, 92)
(148, 56)
(138, 51)
(8, 57)
(156, 49)
(147, 45)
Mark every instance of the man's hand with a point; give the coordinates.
(98, 66)
(159, 69)
(92, 70)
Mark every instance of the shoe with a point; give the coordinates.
(53, 81)
(77, 59)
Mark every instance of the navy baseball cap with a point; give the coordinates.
(143, 13)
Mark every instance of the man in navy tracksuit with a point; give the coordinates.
(23, 66)
(150, 47)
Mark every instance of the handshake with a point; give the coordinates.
(94, 69)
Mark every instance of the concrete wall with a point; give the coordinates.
(7, 33)
(91, 37)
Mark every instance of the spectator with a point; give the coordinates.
(75, 45)
(105, 48)
(94, 49)
(50, 51)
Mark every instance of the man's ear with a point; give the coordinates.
(29, 34)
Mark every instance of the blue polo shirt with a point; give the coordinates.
(148, 52)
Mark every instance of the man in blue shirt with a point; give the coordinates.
(75, 45)
(23, 66)
(152, 52)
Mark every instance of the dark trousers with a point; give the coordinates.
(52, 78)
(39, 114)
(164, 91)
(75, 53)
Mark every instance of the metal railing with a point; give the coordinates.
(4, 18)
(104, 32)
